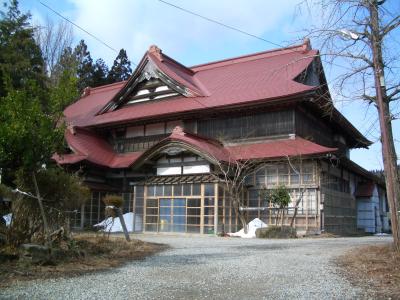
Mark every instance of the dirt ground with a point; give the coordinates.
(376, 268)
(98, 253)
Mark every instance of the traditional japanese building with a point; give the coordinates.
(161, 138)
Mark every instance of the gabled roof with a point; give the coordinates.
(210, 149)
(89, 147)
(155, 64)
(258, 78)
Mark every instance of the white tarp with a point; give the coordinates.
(8, 219)
(252, 227)
(109, 226)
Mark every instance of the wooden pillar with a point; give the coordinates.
(145, 208)
(223, 211)
(215, 208)
(82, 216)
(134, 209)
(202, 208)
(307, 202)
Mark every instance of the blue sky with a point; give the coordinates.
(135, 25)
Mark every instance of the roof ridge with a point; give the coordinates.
(240, 57)
(110, 85)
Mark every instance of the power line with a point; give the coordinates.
(77, 26)
(235, 29)
(220, 23)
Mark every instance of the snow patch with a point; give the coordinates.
(8, 219)
(251, 232)
(109, 226)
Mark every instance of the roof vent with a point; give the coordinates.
(156, 52)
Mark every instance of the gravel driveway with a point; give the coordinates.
(214, 268)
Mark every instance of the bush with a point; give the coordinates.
(276, 232)
(113, 200)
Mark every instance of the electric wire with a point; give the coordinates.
(77, 26)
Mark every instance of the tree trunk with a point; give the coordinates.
(296, 208)
(39, 199)
(236, 206)
(388, 149)
(121, 218)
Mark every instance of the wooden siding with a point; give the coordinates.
(241, 127)
(310, 128)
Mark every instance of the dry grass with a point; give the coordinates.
(376, 268)
(100, 253)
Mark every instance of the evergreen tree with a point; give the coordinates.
(21, 63)
(121, 69)
(100, 73)
(85, 68)
(64, 87)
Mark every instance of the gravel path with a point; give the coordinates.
(214, 268)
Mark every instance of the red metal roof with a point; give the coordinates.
(253, 78)
(87, 146)
(292, 147)
(365, 189)
(210, 148)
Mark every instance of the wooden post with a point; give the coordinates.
(134, 209)
(202, 208)
(215, 208)
(145, 208)
(307, 202)
(121, 219)
(82, 216)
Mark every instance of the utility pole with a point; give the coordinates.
(385, 122)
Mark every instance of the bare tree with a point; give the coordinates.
(234, 173)
(359, 37)
(53, 40)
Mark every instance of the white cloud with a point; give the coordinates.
(134, 25)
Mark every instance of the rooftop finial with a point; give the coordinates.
(156, 52)
(306, 45)
(178, 130)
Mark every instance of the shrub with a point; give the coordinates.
(276, 232)
(113, 200)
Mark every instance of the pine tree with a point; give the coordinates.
(85, 67)
(100, 73)
(21, 62)
(121, 69)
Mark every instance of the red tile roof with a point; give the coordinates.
(259, 77)
(87, 146)
(365, 189)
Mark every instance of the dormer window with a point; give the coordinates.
(150, 90)
(142, 92)
(156, 78)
